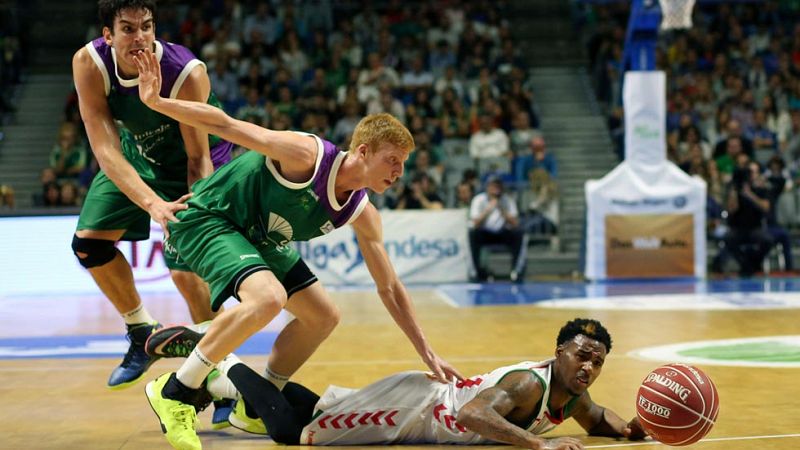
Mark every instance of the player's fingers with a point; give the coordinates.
(164, 228)
(454, 372)
(184, 197)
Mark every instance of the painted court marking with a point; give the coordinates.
(683, 302)
(733, 438)
(764, 351)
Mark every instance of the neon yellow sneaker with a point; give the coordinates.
(178, 420)
(239, 419)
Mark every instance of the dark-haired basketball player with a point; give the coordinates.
(512, 404)
(146, 167)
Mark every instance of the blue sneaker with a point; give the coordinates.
(136, 361)
(222, 409)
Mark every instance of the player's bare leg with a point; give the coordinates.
(196, 293)
(316, 315)
(115, 280)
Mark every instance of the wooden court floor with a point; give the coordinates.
(64, 404)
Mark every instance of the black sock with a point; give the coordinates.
(283, 421)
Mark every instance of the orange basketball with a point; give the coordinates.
(677, 404)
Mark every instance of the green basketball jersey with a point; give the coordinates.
(158, 137)
(272, 211)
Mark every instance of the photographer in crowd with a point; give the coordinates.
(748, 205)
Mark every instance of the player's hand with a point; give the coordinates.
(149, 76)
(634, 430)
(164, 212)
(443, 372)
(563, 443)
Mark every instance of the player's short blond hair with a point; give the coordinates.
(376, 129)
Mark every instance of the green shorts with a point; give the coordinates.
(107, 208)
(213, 248)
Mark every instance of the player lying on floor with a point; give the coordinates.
(512, 404)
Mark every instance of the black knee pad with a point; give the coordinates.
(98, 251)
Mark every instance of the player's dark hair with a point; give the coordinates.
(107, 10)
(587, 327)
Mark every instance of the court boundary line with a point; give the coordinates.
(450, 301)
(721, 439)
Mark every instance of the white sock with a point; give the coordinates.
(222, 387)
(277, 379)
(137, 315)
(229, 361)
(195, 369)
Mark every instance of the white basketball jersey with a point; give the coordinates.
(410, 408)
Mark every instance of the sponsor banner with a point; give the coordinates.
(649, 245)
(36, 258)
(426, 246)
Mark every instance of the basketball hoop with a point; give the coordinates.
(676, 14)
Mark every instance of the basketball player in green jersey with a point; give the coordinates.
(236, 234)
(146, 166)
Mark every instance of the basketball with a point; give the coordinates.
(677, 404)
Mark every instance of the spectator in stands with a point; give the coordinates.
(539, 203)
(51, 194)
(253, 110)
(344, 127)
(225, 84)
(726, 163)
(387, 103)
(764, 139)
(748, 206)
(420, 194)
(454, 118)
(260, 26)
(489, 141)
(494, 219)
(463, 195)
(733, 130)
(69, 156)
(522, 134)
(376, 77)
(417, 77)
(69, 195)
(7, 198)
(538, 157)
(778, 180)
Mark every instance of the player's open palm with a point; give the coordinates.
(564, 443)
(149, 77)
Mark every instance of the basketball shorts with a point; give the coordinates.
(107, 208)
(213, 248)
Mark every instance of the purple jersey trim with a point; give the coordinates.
(326, 173)
(173, 59)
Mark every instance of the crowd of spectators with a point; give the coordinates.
(11, 76)
(733, 113)
(449, 70)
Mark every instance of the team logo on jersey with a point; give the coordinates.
(327, 227)
(279, 230)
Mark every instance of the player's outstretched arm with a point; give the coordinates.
(294, 151)
(104, 140)
(518, 393)
(600, 421)
(393, 294)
